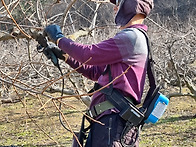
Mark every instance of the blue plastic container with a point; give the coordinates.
(160, 106)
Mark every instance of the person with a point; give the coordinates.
(128, 48)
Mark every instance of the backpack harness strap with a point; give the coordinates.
(154, 88)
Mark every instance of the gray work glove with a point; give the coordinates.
(55, 49)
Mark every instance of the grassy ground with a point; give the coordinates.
(176, 128)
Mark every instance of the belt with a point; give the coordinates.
(101, 107)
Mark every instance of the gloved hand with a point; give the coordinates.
(52, 48)
(53, 32)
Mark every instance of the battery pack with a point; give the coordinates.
(157, 108)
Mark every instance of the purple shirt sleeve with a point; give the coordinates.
(89, 71)
(103, 53)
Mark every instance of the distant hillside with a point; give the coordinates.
(183, 10)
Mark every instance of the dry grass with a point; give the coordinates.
(176, 128)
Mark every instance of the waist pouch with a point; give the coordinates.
(128, 111)
(151, 111)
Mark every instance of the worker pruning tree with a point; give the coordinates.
(79, 18)
(23, 70)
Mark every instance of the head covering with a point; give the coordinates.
(129, 8)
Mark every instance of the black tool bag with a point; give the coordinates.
(128, 111)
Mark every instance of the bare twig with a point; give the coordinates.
(14, 20)
(81, 112)
(67, 123)
(65, 75)
(174, 65)
(66, 12)
(22, 88)
(90, 94)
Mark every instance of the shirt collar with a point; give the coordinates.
(140, 26)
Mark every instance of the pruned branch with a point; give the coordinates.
(17, 35)
(181, 94)
(66, 13)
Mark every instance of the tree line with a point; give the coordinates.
(173, 43)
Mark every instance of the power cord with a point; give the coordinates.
(42, 47)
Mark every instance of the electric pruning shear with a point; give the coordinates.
(42, 47)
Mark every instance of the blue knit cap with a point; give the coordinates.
(129, 8)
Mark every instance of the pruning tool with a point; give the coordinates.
(42, 47)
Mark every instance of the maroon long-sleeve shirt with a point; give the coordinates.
(127, 48)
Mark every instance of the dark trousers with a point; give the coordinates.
(109, 135)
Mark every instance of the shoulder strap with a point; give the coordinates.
(150, 66)
(151, 74)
